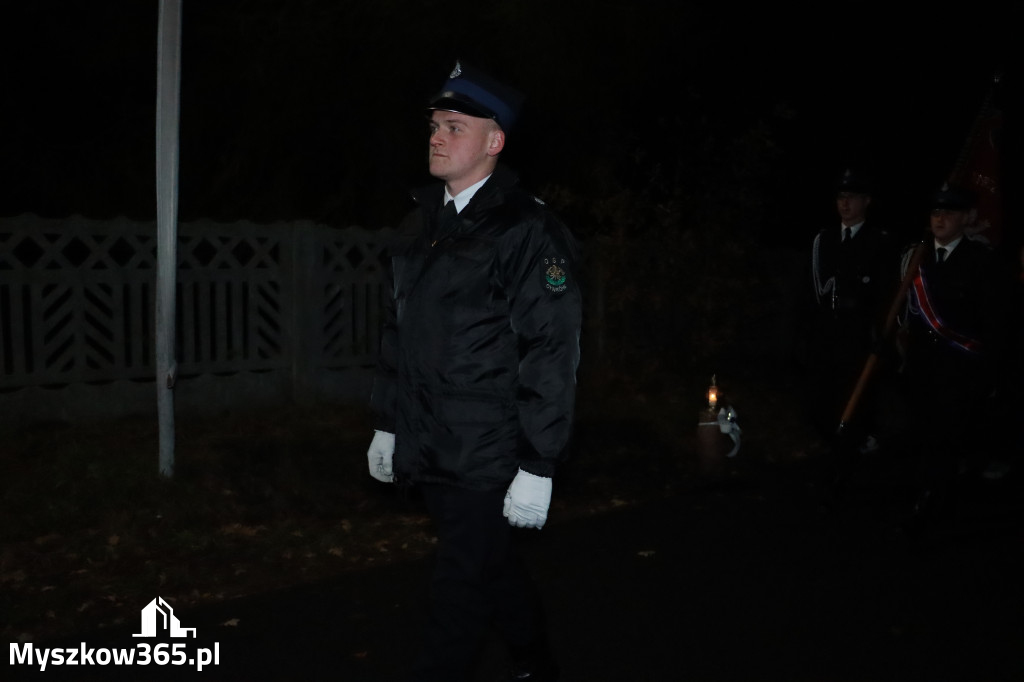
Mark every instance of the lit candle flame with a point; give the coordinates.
(713, 393)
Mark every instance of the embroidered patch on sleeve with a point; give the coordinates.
(555, 276)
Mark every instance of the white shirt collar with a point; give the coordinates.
(463, 197)
(854, 229)
(950, 246)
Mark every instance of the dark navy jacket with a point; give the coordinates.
(480, 344)
(967, 300)
(853, 285)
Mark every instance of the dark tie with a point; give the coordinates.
(940, 255)
(447, 213)
(846, 235)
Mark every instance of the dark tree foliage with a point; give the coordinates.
(678, 140)
(663, 162)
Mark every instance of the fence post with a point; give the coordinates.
(303, 301)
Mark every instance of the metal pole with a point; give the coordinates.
(167, 109)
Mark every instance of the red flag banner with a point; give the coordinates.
(978, 170)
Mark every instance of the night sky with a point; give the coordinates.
(312, 109)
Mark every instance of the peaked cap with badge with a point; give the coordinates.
(853, 182)
(471, 91)
(952, 198)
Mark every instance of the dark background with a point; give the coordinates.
(311, 108)
(694, 148)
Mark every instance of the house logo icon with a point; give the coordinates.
(158, 616)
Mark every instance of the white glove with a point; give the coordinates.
(527, 500)
(380, 454)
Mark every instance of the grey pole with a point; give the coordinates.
(167, 109)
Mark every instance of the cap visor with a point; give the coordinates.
(449, 103)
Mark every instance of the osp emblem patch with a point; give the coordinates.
(555, 276)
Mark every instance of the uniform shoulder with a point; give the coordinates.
(880, 231)
(982, 254)
(527, 217)
(909, 247)
(523, 200)
(979, 246)
(527, 208)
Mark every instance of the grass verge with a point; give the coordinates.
(261, 501)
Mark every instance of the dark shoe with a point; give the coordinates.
(928, 510)
(545, 674)
(924, 505)
(534, 665)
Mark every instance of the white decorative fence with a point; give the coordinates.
(265, 314)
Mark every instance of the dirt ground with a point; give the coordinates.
(758, 575)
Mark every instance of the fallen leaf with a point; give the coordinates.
(240, 529)
(13, 577)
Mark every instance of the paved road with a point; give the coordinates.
(752, 579)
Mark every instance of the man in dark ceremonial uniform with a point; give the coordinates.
(955, 339)
(476, 382)
(853, 278)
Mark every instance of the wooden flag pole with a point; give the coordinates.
(890, 325)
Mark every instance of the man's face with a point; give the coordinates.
(852, 206)
(463, 148)
(948, 224)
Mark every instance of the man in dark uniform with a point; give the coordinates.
(476, 383)
(853, 280)
(955, 338)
